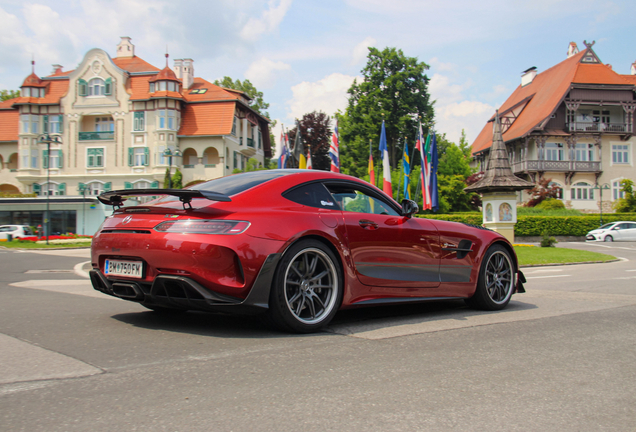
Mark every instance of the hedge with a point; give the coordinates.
(555, 225)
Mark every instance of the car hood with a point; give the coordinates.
(598, 231)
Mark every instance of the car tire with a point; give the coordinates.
(307, 288)
(496, 281)
(608, 238)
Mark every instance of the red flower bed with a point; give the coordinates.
(54, 237)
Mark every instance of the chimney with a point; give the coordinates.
(125, 49)
(57, 69)
(187, 73)
(634, 68)
(178, 68)
(572, 49)
(528, 75)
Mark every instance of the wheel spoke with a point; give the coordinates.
(312, 307)
(312, 266)
(294, 297)
(298, 273)
(319, 276)
(301, 303)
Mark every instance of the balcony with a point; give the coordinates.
(555, 166)
(596, 127)
(250, 142)
(97, 136)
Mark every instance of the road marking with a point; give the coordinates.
(631, 270)
(532, 305)
(49, 271)
(621, 278)
(542, 271)
(69, 286)
(545, 277)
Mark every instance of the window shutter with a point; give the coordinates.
(128, 185)
(45, 124)
(82, 87)
(131, 156)
(37, 188)
(146, 156)
(59, 159)
(154, 185)
(108, 186)
(61, 123)
(81, 187)
(108, 88)
(45, 159)
(61, 188)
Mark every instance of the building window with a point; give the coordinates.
(34, 158)
(138, 156)
(25, 119)
(585, 152)
(234, 126)
(55, 159)
(236, 156)
(95, 188)
(162, 119)
(96, 87)
(171, 120)
(53, 189)
(582, 191)
(617, 191)
(171, 86)
(95, 157)
(260, 140)
(162, 85)
(554, 152)
(53, 124)
(104, 124)
(620, 153)
(139, 121)
(559, 189)
(167, 119)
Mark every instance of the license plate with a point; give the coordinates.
(132, 269)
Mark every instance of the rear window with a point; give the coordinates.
(231, 185)
(312, 195)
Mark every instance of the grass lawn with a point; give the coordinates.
(32, 245)
(538, 255)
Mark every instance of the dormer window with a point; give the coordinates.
(32, 92)
(152, 87)
(96, 87)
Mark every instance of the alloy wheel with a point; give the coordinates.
(499, 277)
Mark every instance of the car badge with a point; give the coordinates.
(171, 216)
(127, 219)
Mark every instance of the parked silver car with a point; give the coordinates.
(614, 231)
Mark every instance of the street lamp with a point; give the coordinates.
(601, 188)
(169, 154)
(48, 139)
(83, 189)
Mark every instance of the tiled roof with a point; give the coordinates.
(9, 121)
(213, 92)
(165, 74)
(54, 90)
(32, 81)
(134, 64)
(207, 118)
(631, 79)
(546, 92)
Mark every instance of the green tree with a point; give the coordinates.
(177, 180)
(166, 179)
(8, 94)
(453, 159)
(628, 203)
(394, 88)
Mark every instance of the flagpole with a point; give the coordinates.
(401, 174)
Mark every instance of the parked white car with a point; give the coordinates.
(614, 231)
(15, 231)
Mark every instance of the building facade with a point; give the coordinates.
(573, 124)
(116, 118)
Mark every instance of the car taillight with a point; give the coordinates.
(197, 226)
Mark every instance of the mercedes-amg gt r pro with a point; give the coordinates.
(297, 245)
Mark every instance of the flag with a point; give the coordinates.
(386, 166)
(425, 174)
(284, 153)
(309, 159)
(299, 148)
(433, 178)
(334, 151)
(371, 169)
(406, 164)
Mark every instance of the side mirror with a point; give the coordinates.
(409, 208)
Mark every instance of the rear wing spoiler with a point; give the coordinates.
(116, 198)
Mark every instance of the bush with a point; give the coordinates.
(546, 240)
(551, 204)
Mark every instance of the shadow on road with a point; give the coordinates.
(235, 326)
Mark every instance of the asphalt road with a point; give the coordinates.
(560, 357)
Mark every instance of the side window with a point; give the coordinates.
(353, 199)
(312, 195)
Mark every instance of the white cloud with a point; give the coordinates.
(268, 22)
(263, 73)
(361, 51)
(328, 95)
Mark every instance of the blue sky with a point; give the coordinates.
(304, 55)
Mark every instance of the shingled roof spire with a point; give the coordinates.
(498, 175)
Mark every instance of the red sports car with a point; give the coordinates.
(297, 245)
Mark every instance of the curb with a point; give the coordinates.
(566, 264)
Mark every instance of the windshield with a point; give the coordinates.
(608, 225)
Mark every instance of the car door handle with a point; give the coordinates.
(367, 224)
